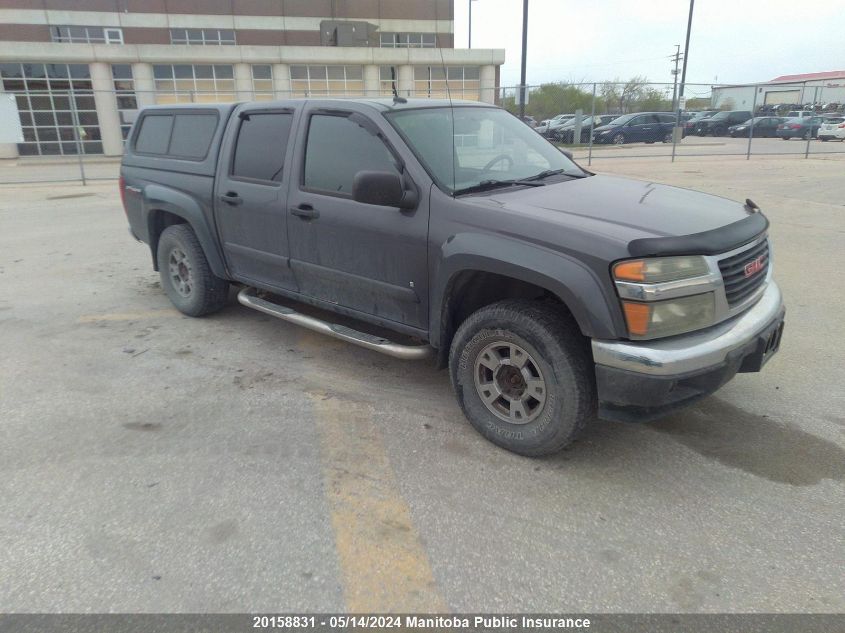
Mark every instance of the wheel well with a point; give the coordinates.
(471, 290)
(160, 220)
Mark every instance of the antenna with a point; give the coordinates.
(396, 97)
(452, 109)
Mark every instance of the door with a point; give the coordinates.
(251, 196)
(369, 258)
(643, 128)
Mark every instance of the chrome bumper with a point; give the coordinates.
(695, 351)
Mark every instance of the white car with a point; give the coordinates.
(553, 123)
(832, 128)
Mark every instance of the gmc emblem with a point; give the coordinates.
(754, 267)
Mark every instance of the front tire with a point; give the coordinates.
(522, 376)
(619, 139)
(185, 274)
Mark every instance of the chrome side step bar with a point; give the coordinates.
(249, 297)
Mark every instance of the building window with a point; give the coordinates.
(463, 82)
(310, 81)
(388, 77)
(262, 82)
(408, 40)
(200, 37)
(56, 108)
(87, 34)
(124, 93)
(197, 83)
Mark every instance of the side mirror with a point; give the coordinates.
(566, 153)
(382, 188)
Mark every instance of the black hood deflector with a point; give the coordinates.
(710, 242)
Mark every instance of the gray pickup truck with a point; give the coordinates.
(428, 228)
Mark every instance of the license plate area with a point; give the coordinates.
(766, 345)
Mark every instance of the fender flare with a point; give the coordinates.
(575, 284)
(160, 198)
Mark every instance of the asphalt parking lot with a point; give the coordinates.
(152, 462)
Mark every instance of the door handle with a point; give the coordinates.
(230, 197)
(305, 211)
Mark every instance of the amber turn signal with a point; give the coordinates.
(637, 316)
(633, 270)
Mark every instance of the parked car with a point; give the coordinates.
(805, 128)
(718, 124)
(544, 125)
(689, 125)
(552, 294)
(765, 126)
(566, 134)
(832, 128)
(799, 114)
(640, 126)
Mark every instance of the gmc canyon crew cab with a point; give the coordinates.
(552, 294)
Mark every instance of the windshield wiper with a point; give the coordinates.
(543, 174)
(546, 174)
(487, 185)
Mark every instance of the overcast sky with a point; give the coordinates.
(737, 41)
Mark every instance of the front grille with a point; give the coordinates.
(738, 286)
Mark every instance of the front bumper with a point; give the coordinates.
(644, 380)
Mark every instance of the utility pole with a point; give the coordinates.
(676, 57)
(523, 89)
(676, 135)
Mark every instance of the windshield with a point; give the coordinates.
(622, 119)
(463, 147)
(698, 116)
(720, 116)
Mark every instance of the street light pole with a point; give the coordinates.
(469, 43)
(522, 88)
(686, 50)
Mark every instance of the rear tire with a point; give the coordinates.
(185, 274)
(522, 376)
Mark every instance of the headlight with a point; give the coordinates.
(660, 269)
(665, 318)
(663, 296)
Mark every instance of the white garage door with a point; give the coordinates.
(783, 96)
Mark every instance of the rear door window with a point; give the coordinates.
(261, 146)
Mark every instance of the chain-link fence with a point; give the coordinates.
(636, 119)
(77, 133)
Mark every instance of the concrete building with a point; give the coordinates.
(80, 69)
(819, 88)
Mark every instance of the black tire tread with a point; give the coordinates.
(214, 292)
(552, 321)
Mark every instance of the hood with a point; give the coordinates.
(605, 127)
(618, 209)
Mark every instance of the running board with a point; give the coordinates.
(250, 298)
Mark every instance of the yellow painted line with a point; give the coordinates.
(383, 563)
(127, 316)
